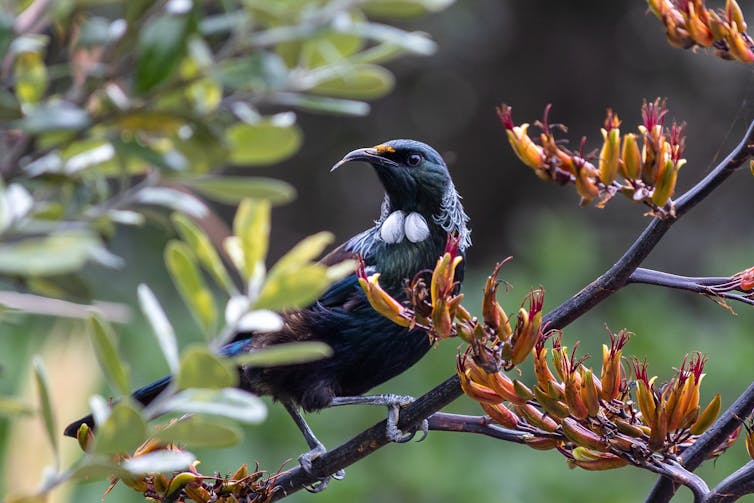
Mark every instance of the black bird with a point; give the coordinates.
(420, 209)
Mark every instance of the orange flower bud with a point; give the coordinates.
(528, 329)
(738, 46)
(609, 155)
(382, 302)
(590, 460)
(582, 436)
(555, 408)
(541, 443)
(535, 417)
(501, 414)
(665, 184)
(735, 15)
(697, 26)
(574, 397)
(630, 165)
(590, 393)
(525, 149)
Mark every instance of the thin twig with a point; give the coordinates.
(735, 485)
(716, 287)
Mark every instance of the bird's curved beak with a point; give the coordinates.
(372, 155)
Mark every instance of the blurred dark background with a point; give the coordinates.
(582, 57)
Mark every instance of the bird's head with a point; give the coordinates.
(414, 175)
(416, 180)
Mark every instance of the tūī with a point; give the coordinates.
(420, 209)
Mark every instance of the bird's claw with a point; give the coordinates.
(306, 459)
(395, 434)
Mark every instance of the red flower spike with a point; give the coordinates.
(504, 112)
(653, 113)
(361, 267)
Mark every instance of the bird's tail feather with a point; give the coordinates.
(142, 395)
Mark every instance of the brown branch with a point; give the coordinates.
(735, 485)
(608, 283)
(715, 287)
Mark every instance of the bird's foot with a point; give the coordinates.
(306, 459)
(395, 434)
(393, 404)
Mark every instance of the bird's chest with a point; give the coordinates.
(402, 225)
(408, 244)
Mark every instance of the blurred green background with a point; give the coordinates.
(580, 56)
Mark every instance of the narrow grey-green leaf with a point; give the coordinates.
(200, 368)
(200, 243)
(97, 468)
(45, 404)
(158, 461)
(56, 253)
(161, 326)
(116, 371)
(183, 267)
(122, 432)
(45, 118)
(233, 189)
(322, 104)
(265, 142)
(199, 431)
(172, 199)
(358, 81)
(285, 354)
(12, 406)
(232, 403)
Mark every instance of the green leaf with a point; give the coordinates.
(322, 104)
(103, 338)
(11, 406)
(332, 46)
(199, 242)
(200, 368)
(232, 403)
(260, 71)
(357, 81)
(30, 74)
(293, 288)
(6, 32)
(161, 45)
(161, 326)
(252, 227)
(199, 431)
(60, 116)
(404, 8)
(304, 252)
(45, 404)
(158, 461)
(97, 468)
(232, 189)
(122, 432)
(56, 253)
(266, 142)
(172, 199)
(285, 354)
(183, 268)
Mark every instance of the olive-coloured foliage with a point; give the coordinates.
(109, 109)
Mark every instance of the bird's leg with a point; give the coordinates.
(393, 404)
(317, 449)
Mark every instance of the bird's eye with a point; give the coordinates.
(414, 159)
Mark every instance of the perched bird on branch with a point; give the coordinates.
(420, 210)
